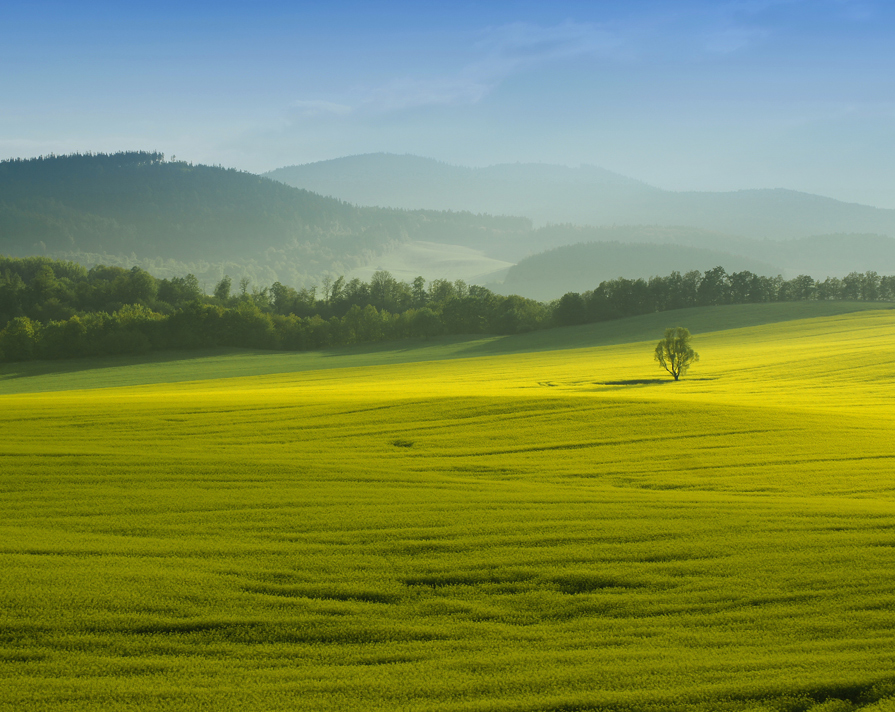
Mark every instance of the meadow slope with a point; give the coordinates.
(500, 527)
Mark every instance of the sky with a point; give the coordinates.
(684, 95)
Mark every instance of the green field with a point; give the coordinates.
(535, 523)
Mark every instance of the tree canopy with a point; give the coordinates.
(60, 309)
(674, 352)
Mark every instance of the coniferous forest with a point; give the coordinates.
(173, 218)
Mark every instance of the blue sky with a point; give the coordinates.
(683, 95)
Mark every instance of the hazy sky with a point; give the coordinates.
(683, 95)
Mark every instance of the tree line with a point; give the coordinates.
(619, 298)
(57, 309)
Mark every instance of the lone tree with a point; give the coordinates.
(675, 353)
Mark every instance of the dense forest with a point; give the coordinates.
(52, 309)
(171, 217)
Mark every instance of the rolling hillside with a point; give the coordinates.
(517, 529)
(198, 365)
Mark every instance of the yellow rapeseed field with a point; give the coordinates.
(551, 530)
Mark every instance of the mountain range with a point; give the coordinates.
(583, 196)
(420, 217)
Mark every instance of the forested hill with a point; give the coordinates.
(170, 216)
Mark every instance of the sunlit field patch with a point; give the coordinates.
(544, 530)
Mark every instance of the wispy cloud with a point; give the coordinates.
(498, 53)
(703, 31)
(519, 45)
(408, 92)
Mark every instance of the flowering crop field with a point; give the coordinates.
(531, 530)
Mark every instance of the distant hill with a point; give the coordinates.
(581, 267)
(173, 217)
(551, 236)
(826, 255)
(584, 196)
(818, 255)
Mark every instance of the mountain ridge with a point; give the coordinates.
(137, 207)
(586, 195)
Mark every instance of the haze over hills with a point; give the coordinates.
(581, 267)
(585, 196)
(556, 259)
(819, 256)
(172, 218)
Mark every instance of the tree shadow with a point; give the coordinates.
(638, 382)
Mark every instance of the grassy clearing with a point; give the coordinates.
(525, 531)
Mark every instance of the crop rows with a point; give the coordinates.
(532, 531)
